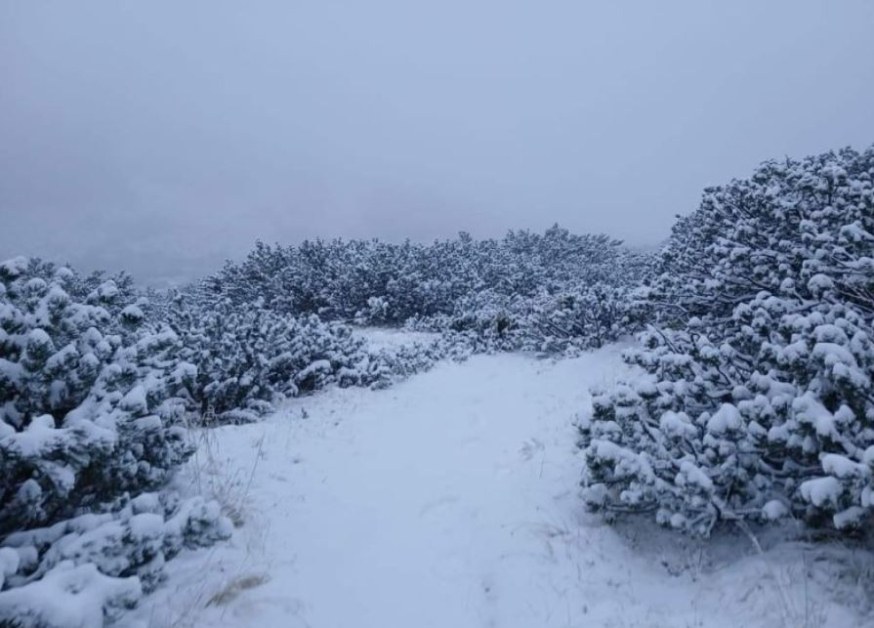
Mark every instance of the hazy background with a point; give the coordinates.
(162, 137)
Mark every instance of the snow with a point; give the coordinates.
(38, 337)
(69, 597)
(319, 366)
(9, 562)
(774, 510)
(831, 353)
(691, 474)
(449, 500)
(133, 312)
(676, 425)
(821, 491)
(39, 436)
(387, 338)
(14, 266)
(135, 400)
(726, 419)
(842, 467)
(146, 525)
(852, 517)
(36, 285)
(820, 283)
(809, 409)
(107, 290)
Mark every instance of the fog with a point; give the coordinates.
(161, 137)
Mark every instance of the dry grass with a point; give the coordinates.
(236, 586)
(805, 612)
(210, 476)
(215, 477)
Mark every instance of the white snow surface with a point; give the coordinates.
(452, 500)
(388, 338)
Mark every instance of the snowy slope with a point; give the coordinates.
(450, 501)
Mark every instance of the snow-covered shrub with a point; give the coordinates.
(88, 401)
(91, 404)
(577, 318)
(248, 358)
(758, 398)
(383, 367)
(97, 565)
(69, 595)
(583, 318)
(487, 321)
(376, 313)
(484, 288)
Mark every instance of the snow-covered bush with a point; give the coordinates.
(376, 313)
(383, 367)
(565, 318)
(89, 402)
(91, 405)
(248, 358)
(757, 401)
(95, 566)
(487, 291)
(583, 318)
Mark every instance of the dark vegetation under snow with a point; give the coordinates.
(756, 343)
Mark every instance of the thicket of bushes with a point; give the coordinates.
(528, 291)
(92, 399)
(246, 358)
(758, 402)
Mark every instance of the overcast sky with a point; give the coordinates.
(161, 137)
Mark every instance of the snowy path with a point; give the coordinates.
(448, 501)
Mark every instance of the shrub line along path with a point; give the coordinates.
(449, 500)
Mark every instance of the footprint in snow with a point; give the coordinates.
(531, 447)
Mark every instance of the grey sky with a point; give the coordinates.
(163, 136)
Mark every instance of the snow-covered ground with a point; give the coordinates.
(450, 500)
(388, 338)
